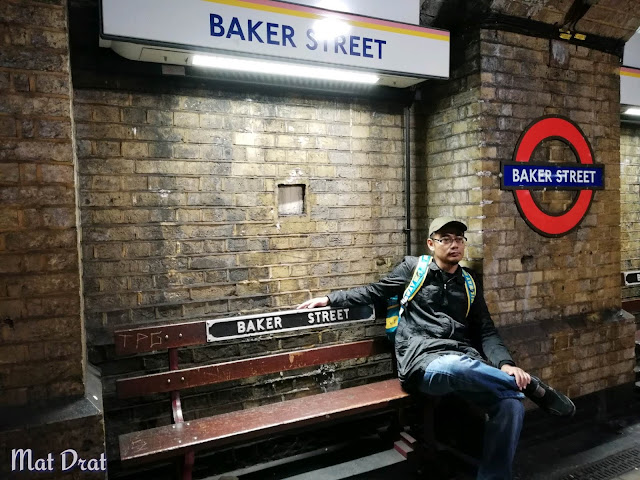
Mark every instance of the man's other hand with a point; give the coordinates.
(522, 377)
(314, 302)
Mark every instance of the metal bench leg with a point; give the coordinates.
(176, 408)
(187, 467)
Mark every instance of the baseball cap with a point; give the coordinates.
(440, 222)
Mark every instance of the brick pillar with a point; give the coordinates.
(629, 205)
(457, 154)
(556, 300)
(42, 379)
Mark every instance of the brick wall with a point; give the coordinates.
(455, 154)
(84, 435)
(629, 205)
(178, 196)
(577, 273)
(42, 378)
(568, 287)
(555, 301)
(40, 326)
(578, 355)
(418, 200)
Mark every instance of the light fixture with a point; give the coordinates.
(279, 68)
(632, 111)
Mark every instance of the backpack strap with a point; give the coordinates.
(395, 307)
(470, 287)
(419, 275)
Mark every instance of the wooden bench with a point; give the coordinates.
(184, 438)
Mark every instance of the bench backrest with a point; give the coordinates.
(238, 369)
(170, 337)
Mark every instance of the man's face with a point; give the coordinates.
(449, 254)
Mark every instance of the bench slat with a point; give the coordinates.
(172, 440)
(223, 372)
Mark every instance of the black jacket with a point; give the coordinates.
(434, 323)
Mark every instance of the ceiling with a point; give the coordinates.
(615, 19)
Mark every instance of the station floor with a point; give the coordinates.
(596, 451)
(597, 444)
(587, 448)
(607, 450)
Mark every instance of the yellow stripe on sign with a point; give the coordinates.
(630, 74)
(265, 8)
(403, 31)
(316, 16)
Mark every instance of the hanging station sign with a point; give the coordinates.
(275, 30)
(523, 176)
(630, 73)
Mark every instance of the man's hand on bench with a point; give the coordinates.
(314, 302)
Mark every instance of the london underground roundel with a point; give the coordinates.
(523, 176)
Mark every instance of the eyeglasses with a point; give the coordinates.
(446, 241)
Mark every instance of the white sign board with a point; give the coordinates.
(405, 11)
(629, 86)
(631, 55)
(279, 30)
(630, 73)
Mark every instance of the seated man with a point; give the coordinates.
(434, 346)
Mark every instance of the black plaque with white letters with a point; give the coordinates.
(631, 278)
(289, 320)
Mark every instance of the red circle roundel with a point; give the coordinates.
(553, 128)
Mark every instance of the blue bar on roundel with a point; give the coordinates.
(522, 175)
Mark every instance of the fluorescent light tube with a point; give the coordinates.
(287, 69)
(632, 111)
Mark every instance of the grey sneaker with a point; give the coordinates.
(548, 399)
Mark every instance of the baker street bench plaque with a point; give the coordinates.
(285, 321)
(156, 337)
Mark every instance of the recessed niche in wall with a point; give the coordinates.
(290, 200)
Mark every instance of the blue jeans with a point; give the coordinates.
(493, 390)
